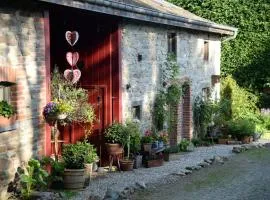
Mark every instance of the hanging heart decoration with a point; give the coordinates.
(72, 75)
(72, 58)
(72, 37)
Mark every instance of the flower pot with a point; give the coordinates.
(126, 165)
(51, 119)
(6, 122)
(223, 141)
(154, 163)
(160, 144)
(166, 157)
(88, 172)
(138, 162)
(155, 145)
(247, 139)
(112, 148)
(74, 178)
(147, 147)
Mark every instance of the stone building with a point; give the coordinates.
(122, 45)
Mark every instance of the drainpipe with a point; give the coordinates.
(231, 37)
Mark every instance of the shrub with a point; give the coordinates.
(241, 128)
(74, 155)
(114, 133)
(183, 145)
(6, 110)
(133, 130)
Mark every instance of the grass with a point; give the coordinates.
(266, 136)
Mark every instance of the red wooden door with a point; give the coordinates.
(98, 47)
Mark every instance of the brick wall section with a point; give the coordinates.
(22, 47)
(186, 124)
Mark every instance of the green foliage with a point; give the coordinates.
(71, 100)
(203, 111)
(6, 110)
(132, 129)
(34, 177)
(184, 144)
(76, 155)
(243, 103)
(246, 57)
(115, 133)
(168, 96)
(55, 178)
(147, 139)
(241, 128)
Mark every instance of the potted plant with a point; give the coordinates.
(114, 137)
(135, 144)
(74, 156)
(163, 139)
(242, 129)
(131, 145)
(90, 158)
(166, 154)
(147, 141)
(7, 112)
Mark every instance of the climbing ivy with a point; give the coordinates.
(246, 58)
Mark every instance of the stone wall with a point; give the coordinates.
(22, 48)
(150, 43)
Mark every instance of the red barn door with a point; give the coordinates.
(98, 47)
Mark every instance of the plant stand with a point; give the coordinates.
(116, 155)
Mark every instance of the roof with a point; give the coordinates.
(154, 11)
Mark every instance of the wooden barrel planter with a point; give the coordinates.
(112, 148)
(126, 165)
(74, 178)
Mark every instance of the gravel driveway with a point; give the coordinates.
(119, 181)
(243, 177)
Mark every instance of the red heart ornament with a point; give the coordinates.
(72, 37)
(72, 58)
(72, 75)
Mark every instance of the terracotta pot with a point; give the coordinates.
(6, 122)
(223, 141)
(247, 139)
(147, 147)
(88, 173)
(154, 163)
(112, 148)
(74, 178)
(166, 157)
(126, 165)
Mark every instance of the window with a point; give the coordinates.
(4, 93)
(136, 112)
(206, 50)
(172, 41)
(206, 93)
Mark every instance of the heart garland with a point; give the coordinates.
(72, 58)
(72, 37)
(72, 75)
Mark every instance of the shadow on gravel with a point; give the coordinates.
(245, 176)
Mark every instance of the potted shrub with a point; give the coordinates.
(114, 137)
(90, 158)
(163, 139)
(131, 144)
(135, 144)
(7, 112)
(166, 154)
(242, 129)
(74, 156)
(147, 141)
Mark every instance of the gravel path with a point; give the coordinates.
(119, 181)
(243, 177)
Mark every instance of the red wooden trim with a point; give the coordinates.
(47, 141)
(119, 34)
